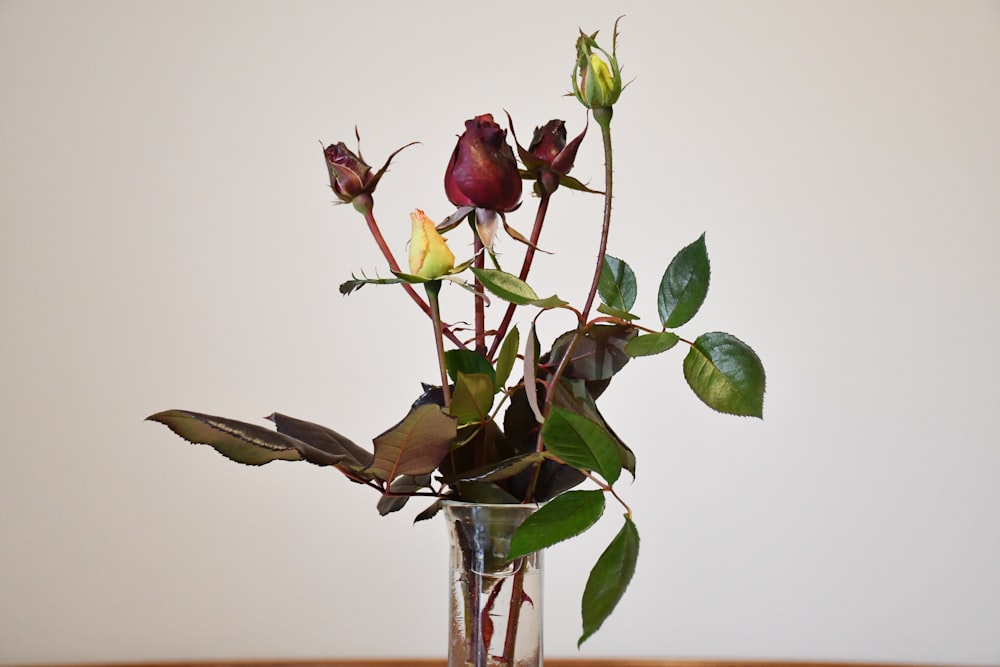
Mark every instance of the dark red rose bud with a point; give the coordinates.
(350, 176)
(549, 158)
(482, 171)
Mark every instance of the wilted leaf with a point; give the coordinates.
(402, 486)
(581, 443)
(684, 285)
(726, 374)
(244, 443)
(598, 355)
(495, 472)
(561, 518)
(530, 368)
(414, 446)
(617, 285)
(609, 579)
(354, 284)
(326, 439)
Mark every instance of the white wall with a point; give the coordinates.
(168, 241)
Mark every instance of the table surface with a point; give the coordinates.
(549, 662)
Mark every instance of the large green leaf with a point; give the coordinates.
(609, 579)
(473, 397)
(414, 446)
(617, 285)
(561, 518)
(239, 441)
(726, 374)
(574, 396)
(582, 443)
(684, 285)
(507, 357)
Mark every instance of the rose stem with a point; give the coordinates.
(383, 246)
(603, 118)
(529, 255)
(433, 288)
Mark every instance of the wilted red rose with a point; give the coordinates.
(350, 176)
(482, 171)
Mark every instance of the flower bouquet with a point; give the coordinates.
(482, 436)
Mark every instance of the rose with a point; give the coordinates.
(482, 171)
(549, 158)
(430, 256)
(597, 76)
(351, 178)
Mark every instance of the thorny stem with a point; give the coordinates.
(480, 307)
(603, 118)
(529, 255)
(433, 288)
(365, 208)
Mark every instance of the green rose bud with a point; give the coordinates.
(597, 77)
(430, 256)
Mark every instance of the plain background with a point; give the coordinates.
(168, 241)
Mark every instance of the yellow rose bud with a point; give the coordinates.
(430, 256)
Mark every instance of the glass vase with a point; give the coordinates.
(495, 605)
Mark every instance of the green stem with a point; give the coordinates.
(603, 118)
(433, 288)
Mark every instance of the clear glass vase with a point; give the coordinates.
(496, 605)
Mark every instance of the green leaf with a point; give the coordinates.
(548, 302)
(467, 361)
(561, 518)
(241, 442)
(582, 443)
(507, 357)
(726, 374)
(414, 446)
(506, 286)
(649, 344)
(411, 278)
(574, 396)
(617, 285)
(609, 579)
(472, 398)
(684, 285)
(614, 312)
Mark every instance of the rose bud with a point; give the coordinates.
(548, 159)
(482, 171)
(597, 77)
(351, 178)
(430, 256)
